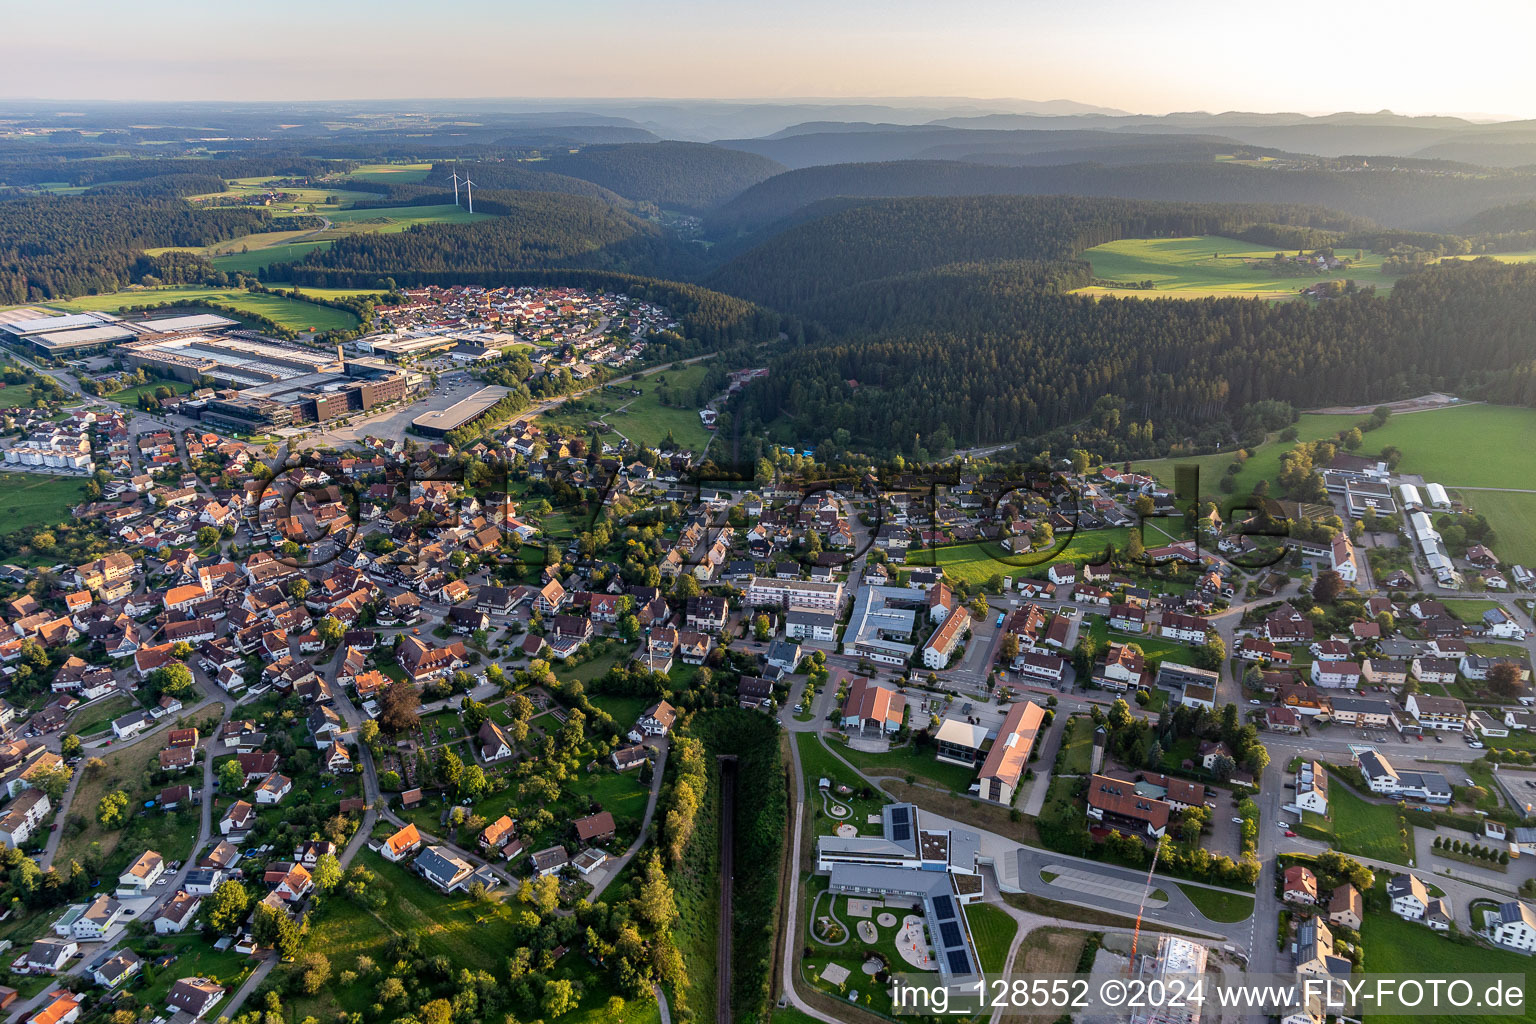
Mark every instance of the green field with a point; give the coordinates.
(976, 563)
(401, 173)
(1459, 446)
(1366, 829)
(1225, 907)
(1513, 518)
(1469, 611)
(1204, 265)
(1395, 946)
(642, 418)
(130, 396)
(292, 313)
(37, 499)
(993, 931)
(922, 765)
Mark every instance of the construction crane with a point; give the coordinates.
(1146, 891)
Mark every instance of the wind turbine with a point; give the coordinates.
(469, 188)
(456, 187)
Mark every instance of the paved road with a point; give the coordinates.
(615, 868)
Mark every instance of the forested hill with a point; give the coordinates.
(534, 230)
(1397, 194)
(1020, 362)
(802, 269)
(57, 246)
(674, 175)
(505, 176)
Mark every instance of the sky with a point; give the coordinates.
(1410, 56)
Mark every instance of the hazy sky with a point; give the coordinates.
(1412, 56)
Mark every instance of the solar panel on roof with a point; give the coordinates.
(945, 907)
(899, 815)
(901, 832)
(959, 963)
(949, 932)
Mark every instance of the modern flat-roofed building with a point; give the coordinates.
(440, 422)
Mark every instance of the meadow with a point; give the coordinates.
(976, 563)
(1212, 265)
(1474, 445)
(1513, 518)
(1205, 265)
(38, 499)
(1395, 946)
(394, 173)
(642, 418)
(292, 313)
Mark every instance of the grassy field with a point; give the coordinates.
(1466, 446)
(38, 499)
(1395, 946)
(292, 313)
(922, 765)
(976, 563)
(404, 174)
(643, 419)
(1469, 611)
(1366, 829)
(1225, 907)
(97, 716)
(130, 396)
(993, 931)
(1513, 518)
(1151, 646)
(1203, 265)
(297, 200)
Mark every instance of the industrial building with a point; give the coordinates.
(363, 384)
(80, 333)
(240, 362)
(439, 423)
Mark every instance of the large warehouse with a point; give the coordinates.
(240, 362)
(78, 333)
(310, 398)
(439, 423)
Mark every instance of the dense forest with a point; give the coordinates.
(533, 230)
(801, 269)
(677, 175)
(1411, 197)
(57, 246)
(59, 167)
(1015, 362)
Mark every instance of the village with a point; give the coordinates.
(279, 680)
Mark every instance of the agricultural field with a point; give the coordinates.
(38, 499)
(1209, 265)
(1473, 445)
(1513, 518)
(299, 200)
(404, 174)
(291, 313)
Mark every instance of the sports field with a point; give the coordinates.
(1203, 265)
(292, 313)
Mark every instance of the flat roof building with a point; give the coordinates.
(440, 422)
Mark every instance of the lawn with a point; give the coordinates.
(292, 313)
(818, 763)
(38, 499)
(1224, 907)
(1395, 946)
(1151, 646)
(97, 716)
(1366, 829)
(130, 396)
(1513, 518)
(623, 710)
(977, 563)
(1195, 267)
(194, 958)
(1469, 611)
(922, 765)
(993, 931)
(1076, 754)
